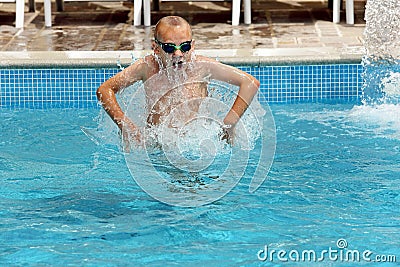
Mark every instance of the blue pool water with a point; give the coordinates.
(66, 201)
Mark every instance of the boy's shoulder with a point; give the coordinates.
(149, 60)
(202, 58)
(145, 64)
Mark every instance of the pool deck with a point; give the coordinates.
(100, 33)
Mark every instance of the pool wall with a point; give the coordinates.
(49, 86)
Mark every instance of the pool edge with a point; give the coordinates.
(253, 57)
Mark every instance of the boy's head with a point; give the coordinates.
(173, 40)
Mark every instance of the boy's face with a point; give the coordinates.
(180, 36)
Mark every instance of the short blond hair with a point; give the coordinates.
(171, 21)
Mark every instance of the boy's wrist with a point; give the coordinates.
(230, 120)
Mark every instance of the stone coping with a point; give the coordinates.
(252, 57)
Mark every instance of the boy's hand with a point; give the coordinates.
(130, 134)
(228, 133)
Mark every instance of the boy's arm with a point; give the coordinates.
(248, 87)
(106, 92)
(106, 95)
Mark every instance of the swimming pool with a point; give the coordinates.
(333, 185)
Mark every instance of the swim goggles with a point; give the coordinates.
(171, 48)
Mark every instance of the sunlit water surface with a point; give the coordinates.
(65, 200)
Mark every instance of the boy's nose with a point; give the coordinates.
(178, 53)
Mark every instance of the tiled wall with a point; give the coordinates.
(311, 83)
(75, 88)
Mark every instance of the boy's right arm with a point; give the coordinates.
(106, 93)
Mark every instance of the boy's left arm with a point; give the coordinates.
(248, 87)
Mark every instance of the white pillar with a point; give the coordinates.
(349, 11)
(47, 13)
(247, 11)
(235, 12)
(137, 12)
(336, 11)
(19, 13)
(147, 13)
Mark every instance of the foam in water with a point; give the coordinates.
(383, 120)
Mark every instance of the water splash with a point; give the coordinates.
(381, 88)
(186, 146)
(188, 121)
(180, 112)
(119, 64)
(382, 39)
(133, 58)
(381, 81)
(382, 60)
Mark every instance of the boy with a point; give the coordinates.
(173, 47)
